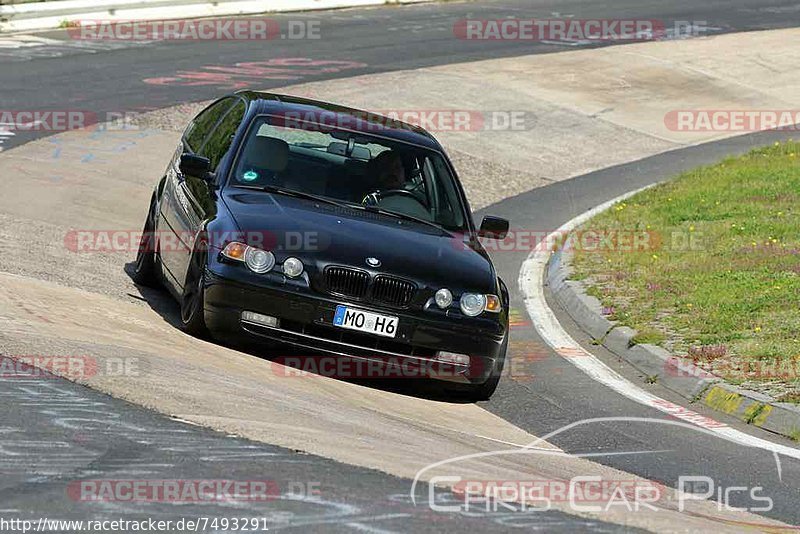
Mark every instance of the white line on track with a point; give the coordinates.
(367, 528)
(4, 135)
(16, 125)
(531, 282)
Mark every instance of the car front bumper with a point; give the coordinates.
(306, 321)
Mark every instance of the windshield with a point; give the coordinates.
(350, 167)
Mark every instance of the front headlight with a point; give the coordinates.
(472, 304)
(259, 261)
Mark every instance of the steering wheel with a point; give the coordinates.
(374, 198)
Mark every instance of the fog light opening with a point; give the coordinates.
(452, 358)
(259, 319)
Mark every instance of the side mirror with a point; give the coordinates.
(493, 228)
(196, 166)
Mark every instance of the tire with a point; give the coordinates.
(193, 298)
(144, 270)
(484, 392)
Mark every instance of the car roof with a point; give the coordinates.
(349, 118)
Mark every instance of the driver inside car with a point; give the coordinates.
(391, 190)
(391, 171)
(389, 175)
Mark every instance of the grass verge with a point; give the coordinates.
(708, 266)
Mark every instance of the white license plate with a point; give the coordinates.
(364, 321)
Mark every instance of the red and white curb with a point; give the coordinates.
(531, 283)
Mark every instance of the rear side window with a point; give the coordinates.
(220, 141)
(202, 125)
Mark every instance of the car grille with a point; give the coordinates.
(347, 282)
(359, 285)
(392, 291)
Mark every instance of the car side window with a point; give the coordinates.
(202, 125)
(221, 138)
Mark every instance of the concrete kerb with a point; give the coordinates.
(658, 365)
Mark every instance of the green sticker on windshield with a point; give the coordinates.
(249, 176)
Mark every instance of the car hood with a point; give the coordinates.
(325, 234)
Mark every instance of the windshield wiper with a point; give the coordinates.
(293, 193)
(343, 205)
(398, 215)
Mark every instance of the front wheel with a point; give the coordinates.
(144, 269)
(483, 392)
(193, 299)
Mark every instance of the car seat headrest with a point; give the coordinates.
(268, 153)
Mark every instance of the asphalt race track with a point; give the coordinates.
(108, 77)
(64, 432)
(57, 430)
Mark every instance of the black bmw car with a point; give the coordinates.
(331, 229)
